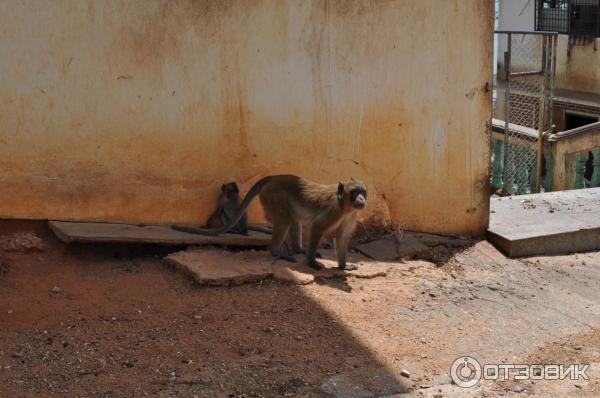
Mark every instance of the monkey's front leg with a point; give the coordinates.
(341, 249)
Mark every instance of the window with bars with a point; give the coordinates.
(576, 17)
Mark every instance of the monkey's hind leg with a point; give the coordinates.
(279, 233)
(296, 238)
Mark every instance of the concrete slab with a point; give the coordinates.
(222, 268)
(293, 275)
(547, 223)
(108, 232)
(367, 270)
(432, 240)
(388, 249)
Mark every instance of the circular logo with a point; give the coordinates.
(465, 372)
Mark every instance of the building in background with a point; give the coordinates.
(577, 84)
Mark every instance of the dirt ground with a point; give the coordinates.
(117, 321)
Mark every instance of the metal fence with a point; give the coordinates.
(527, 76)
(574, 17)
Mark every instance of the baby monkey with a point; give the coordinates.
(289, 201)
(228, 205)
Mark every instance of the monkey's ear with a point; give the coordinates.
(223, 187)
(340, 191)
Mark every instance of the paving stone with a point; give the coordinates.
(218, 267)
(365, 382)
(293, 274)
(367, 271)
(431, 240)
(388, 249)
(221, 268)
(381, 249)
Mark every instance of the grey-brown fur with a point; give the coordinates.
(290, 201)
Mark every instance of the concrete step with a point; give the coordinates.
(546, 223)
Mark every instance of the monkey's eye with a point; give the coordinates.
(355, 192)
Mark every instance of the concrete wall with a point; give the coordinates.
(139, 110)
(580, 71)
(517, 15)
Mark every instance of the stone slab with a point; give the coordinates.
(432, 240)
(222, 268)
(368, 269)
(157, 234)
(547, 223)
(387, 249)
(294, 275)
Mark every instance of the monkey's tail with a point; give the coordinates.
(255, 190)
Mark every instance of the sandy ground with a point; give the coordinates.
(117, 321)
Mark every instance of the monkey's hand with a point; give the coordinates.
(348, 267)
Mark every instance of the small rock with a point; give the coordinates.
(56, 289)
(433, 293)
(10, 312)
(268, 329)
(519, 389)
(577, 347)
(23, 243)
(577, 385)
(405, 373)
(424, 386)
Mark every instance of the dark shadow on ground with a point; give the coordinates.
(122, 324)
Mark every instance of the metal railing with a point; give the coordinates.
(528, 66)
(573, 17)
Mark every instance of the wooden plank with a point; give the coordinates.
(157, 234)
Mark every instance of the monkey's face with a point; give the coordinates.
(230, 190)
(355, 193)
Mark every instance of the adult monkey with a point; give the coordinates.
(289, 201)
